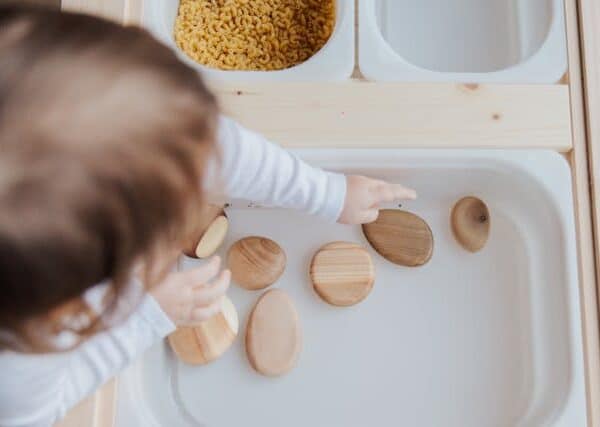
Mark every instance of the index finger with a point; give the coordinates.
(387, 192)
(403, 193)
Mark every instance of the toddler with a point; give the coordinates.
(108, 146)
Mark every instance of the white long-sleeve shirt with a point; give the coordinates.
(37, 390)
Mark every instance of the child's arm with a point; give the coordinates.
(254, 169)
(37, 390)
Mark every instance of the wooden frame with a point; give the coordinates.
(434, 115)
(589, 18)
(589, 15)
(403, 115)
(581, 190)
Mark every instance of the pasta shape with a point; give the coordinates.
(253, 35)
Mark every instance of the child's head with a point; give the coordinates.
(103, 138)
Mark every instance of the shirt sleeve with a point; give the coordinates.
(38, 390)
(251, 168)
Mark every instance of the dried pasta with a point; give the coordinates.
(259, 35)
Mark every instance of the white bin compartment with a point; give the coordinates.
(491, 339)
(333, 62)
(509, 41)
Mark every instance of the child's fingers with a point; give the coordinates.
(401, 192)
(368, 216)
(386, 192)
(383, 193)
(200, 314)
(202, 275)
(206, 295)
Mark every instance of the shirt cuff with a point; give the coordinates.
(151, 312)
(335, 196)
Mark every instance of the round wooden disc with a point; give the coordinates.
(208, 233)
(342, 273)
(256, 262)
(213, 237)
(470, 221)
(273, 334)
(400, 237)
(206, 342)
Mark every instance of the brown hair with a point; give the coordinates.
(103, 137)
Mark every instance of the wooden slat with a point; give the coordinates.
(97, 410)
(81, 415)
(579, 161)
(106, 403)
(361, 114)
(589, 14)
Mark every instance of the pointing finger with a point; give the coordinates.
(369, 216)
(383, 193)
(401, 192)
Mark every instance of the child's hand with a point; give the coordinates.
(192, 296)
(363, 196)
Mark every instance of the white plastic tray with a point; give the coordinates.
(486, 339)
(334, 62)
(509, 41)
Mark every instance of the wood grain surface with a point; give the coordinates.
(207, 233)
(206, 342)
(589, 13)
(256, 262)
(342, 273)
(586, 238)
(383, 115)
(273, 334)
(470, 223)
(400, 237)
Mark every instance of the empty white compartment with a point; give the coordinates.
(468, 340)
(508, 41)
(333, 62)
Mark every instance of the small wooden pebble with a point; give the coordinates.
(342, 273)
(400, 237)
(256, 262)
(209, 233)
(273, 334)
(206, 342)
(470, 221)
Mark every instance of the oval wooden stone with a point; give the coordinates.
(208, 234)
(400, 237)
(206, 342)
(342, 273)
(470, 221)
(256, 262)
(273, 334)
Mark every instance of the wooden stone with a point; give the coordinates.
(208, 234)
(273, 334)
(400, 237)
(342, 273)
(470, 222)
(256, 262)
(206, 342)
